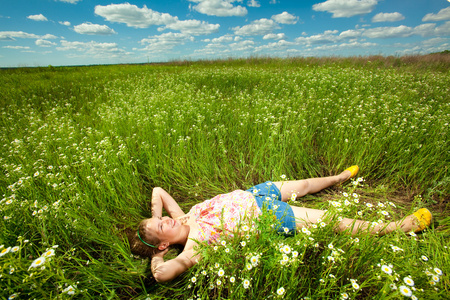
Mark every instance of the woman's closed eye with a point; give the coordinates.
(160, 224)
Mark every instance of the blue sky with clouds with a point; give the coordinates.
(83, 32)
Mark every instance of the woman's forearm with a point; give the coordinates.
(167, 270)
(157, 204)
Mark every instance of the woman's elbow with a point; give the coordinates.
(161, 277)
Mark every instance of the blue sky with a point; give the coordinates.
(83, 32)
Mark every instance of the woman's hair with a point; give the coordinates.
(137, 247)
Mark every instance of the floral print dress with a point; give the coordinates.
(224, 213)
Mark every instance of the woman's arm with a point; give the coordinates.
(171, 269)
(160, 199)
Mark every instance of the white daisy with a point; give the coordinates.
(286, 249)
(438, 271)
(70, 290)
(246, 283)
(38, 262)
(281, 291)
(49, 253)
(5, 251)
(405, 291)
(386, 269)
(408, 280)
(395, 248)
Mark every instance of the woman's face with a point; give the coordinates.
(165, 228)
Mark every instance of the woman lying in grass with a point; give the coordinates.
(224, 214)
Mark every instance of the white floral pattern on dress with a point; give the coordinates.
(223, 214)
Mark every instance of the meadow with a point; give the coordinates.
(82, 147)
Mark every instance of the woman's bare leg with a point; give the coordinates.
(305, 217)
(354, 227)
(308, 186)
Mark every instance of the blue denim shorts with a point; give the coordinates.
(268, 197)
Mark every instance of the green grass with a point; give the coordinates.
(81, 149)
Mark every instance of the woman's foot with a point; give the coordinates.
(348, 173)
(422, 219)
(416, 222)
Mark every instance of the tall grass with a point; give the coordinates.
(81, 149)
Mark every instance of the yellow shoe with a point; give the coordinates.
(424, 217)
(353, 170)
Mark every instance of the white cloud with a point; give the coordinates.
(223, 39)
(274, 36)
(165, 42)
(44, 43)
(11, 35)
(70, 1)
(276, 46)
(219, 8)
(48, 37)
(133, 16)
(17, 47)
(285, 18)
(65, 23)
(327, 37)
(93, 49)
(442, 15)
(435, 41)
(444, 29)
(253, 3)
(345, 46)
(389, 32)
(257, 27)
(39, 17)
(193, 27)
(427, 29)
(350, 34)
(93, 29)
(220, 47)
(388, 17)
(346, 8)
(246, 45)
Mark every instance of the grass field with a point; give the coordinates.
(82, 147)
